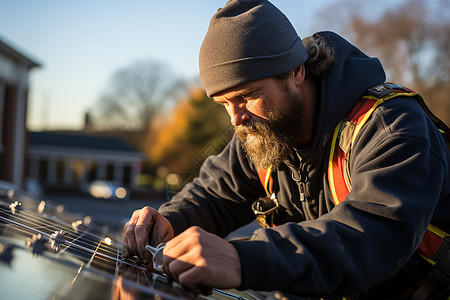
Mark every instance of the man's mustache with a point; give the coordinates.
(253, 127)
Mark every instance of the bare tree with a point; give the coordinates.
(412, 39)
(134, 95)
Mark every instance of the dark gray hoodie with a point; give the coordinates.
(400, 182)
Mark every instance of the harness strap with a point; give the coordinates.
(432, 241)
(433, 247)
(265, 207)
(346, 132)
(265, 177)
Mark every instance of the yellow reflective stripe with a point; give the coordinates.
(330, 164)
(370, 111)
(364, 120)
(266, 180)
(379, 101)
(355, 133)
(427, 259)
(391, 95)
(437, 231)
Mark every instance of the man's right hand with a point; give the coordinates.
(146, 227)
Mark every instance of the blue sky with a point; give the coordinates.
(81, 43)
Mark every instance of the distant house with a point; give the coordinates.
(70, 160)
(14, 70)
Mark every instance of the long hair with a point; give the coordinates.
(320, 58)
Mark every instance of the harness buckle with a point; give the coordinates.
(264, 208)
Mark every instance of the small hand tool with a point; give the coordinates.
(157, 253)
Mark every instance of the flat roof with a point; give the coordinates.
(80, 141)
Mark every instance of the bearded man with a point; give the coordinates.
(287, 99)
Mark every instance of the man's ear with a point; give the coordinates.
(299, 75)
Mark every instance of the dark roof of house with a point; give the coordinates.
(14, 54)
(78, 140)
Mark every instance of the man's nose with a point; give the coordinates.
(238, 113)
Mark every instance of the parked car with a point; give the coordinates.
(108, 190)
(34, 188)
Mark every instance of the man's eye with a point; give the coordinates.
(245, 97)
(251, 96)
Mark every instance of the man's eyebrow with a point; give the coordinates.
(218, 100)
(246, 93)
(237, 94)
(247, 90)
(250, 92)
(229, 96)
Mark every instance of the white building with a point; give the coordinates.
(70, 160)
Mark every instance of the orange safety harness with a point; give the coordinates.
(435, 245)
(343, 138)
(265, 207)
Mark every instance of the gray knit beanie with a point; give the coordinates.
(248, 40)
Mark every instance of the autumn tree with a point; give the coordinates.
(133, 97)
(412, 40)
(196, 129)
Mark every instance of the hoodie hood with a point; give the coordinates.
(352, 74)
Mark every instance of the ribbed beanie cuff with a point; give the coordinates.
(248, 40)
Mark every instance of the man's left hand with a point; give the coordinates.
(198, 260)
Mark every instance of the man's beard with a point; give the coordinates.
(269, 142)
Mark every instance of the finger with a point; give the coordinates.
(178, 266)
(214, 261)
(125, 247)
(144, 225)
(130, 246)
(128, 240)
(194, 279)
(179, 246)
(175, 249)
(173, 252)
(162, 231)
(179, 242)
(157, 235)
(124, 242)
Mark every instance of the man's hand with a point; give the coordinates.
(198, 259)
(146, 227)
